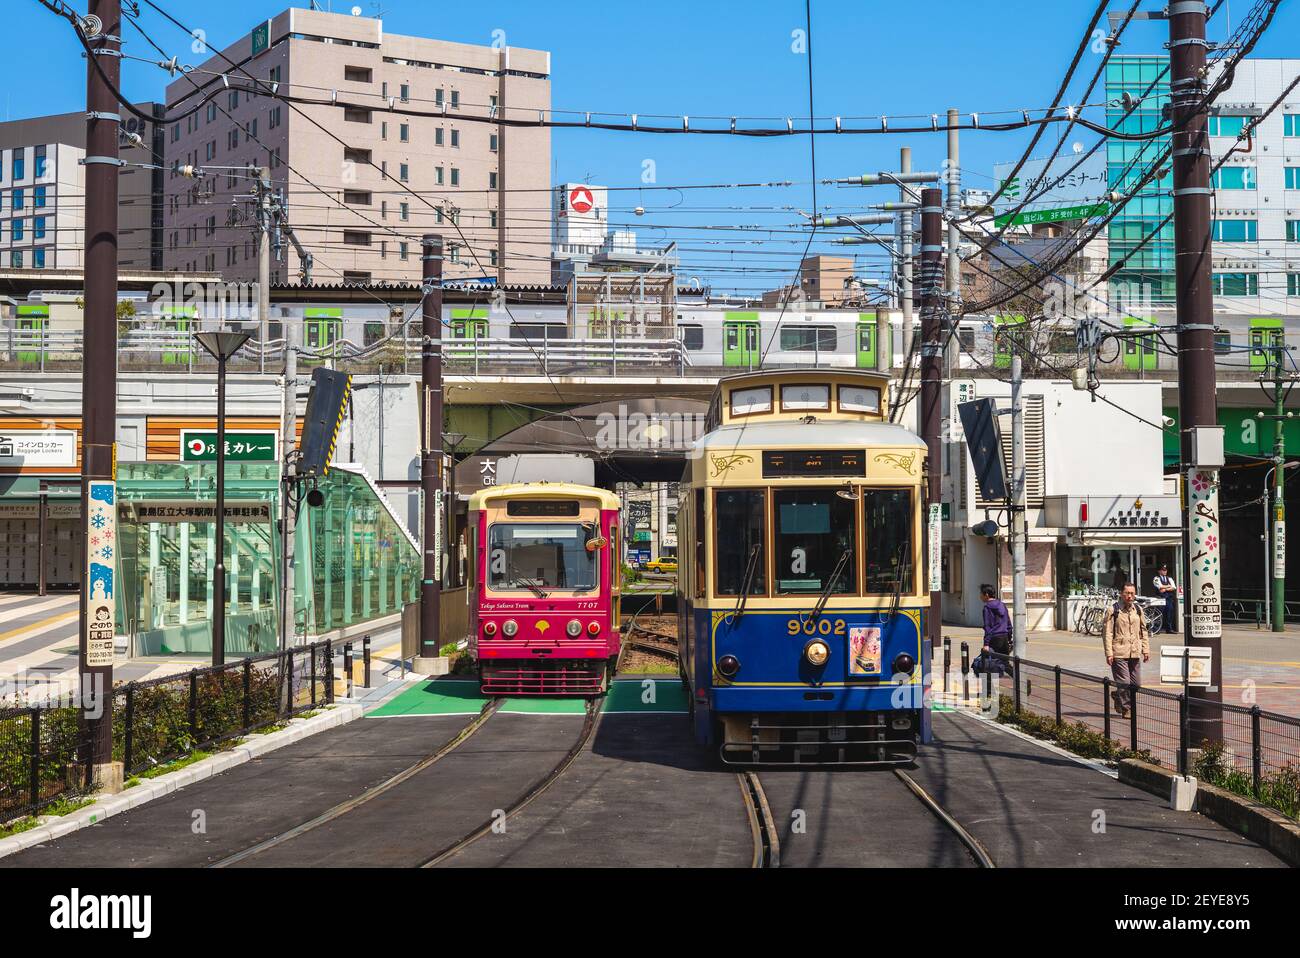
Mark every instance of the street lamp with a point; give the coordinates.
(1269, 558)
(221, 346)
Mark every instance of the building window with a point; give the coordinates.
(38, 258)
(252, 129)
(438, 96)
(455, 176)
(356, 276)
(19, 163)
(406, 211)
(1293, 231)
(38, 197)
(1236, 284)
(455, 99)
(212, 112)
(355, 238)
(356, 197)
(437, 175)
(492, 218)
(16, 227)
(1227, 125)
(438, 215)
(1293, 284)
(403, 172)
(1236, 231)
(38, 161)
(354, 114)
(232, 140)
(492, 179)
(38, 227)
(234, 99)
(352, 155)
(357, 74)
(404, 133)
(275, 158)
(455, 139)
(1291, 124)
(273, 118)
(492, 142)
(18, 199)
(274, 75)
(16, 259)
(1235, 178)
(437, 137)
(455, 253)
(492, 257)
(401, 251)
(404, 92)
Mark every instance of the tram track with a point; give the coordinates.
(762, 826)
(977, 851)
(343, 808)
(590, 722)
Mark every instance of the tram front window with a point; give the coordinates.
(540, 557)
(738, 534)
(888, 515)
(813, 541)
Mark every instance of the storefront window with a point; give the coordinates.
(1088, 568)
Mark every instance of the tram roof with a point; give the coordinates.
(543, 490)
(809, 434)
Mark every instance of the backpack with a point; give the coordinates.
(1142, 622)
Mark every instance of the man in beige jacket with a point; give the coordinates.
(1127, 645)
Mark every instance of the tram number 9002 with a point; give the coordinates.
(820, 627)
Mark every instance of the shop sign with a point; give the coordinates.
(44, 449)
(191, 510)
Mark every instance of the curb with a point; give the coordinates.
(1052, 747)
(1269, 829)
(109, 805)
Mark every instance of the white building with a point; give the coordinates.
(42, 204)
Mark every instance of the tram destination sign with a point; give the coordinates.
(814, 462)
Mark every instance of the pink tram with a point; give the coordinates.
(545, 588)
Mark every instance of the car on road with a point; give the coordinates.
(662, 564)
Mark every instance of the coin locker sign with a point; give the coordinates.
(101, 553)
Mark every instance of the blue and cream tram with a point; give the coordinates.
(800, 589)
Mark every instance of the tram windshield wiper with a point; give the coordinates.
(838, 571)
(528, 583)
(746, 583)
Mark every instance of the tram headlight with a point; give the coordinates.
(509, 627)
(904, 664)
(574, 628)
(728, 666)
(817, 652)
(489, 628)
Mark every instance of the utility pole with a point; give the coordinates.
(932, 380)
(431, 456)
(97, 610)
(292, 332)
(1278, 611)
(1201, 440)
(954, 241)
(1017, 507)
(904, 228)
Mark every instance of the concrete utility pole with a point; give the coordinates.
(1018, 534)
(1197, 402)
(904, 230)
(931, 290)
(292, 332)
(97, 610)
(431, 456)
(954, 242)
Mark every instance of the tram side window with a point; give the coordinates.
(888, 517)
(697, 529)
(814, 539)
(739, 527)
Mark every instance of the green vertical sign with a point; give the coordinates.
(261, 37)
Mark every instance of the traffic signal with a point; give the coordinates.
(326, 404)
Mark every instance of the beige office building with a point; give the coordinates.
(480, 184)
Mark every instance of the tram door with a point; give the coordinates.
(31, 325)
(468, 326)
(866, 340)
(179, 321)
(740, 340)
(1139, 351)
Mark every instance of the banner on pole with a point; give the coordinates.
(1204, 537)
(101, 548)
(936, 546)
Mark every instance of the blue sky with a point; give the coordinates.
(700, 58)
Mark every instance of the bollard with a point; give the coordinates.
(1105, 706)
(365, 658)
(965, 670)
(947, 660)
(347, 667)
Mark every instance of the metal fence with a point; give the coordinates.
(1258, 746)
(46, 756)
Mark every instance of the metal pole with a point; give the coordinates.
(292, 331)
(264, 254)
(219, 569)
(431, 447)
(1268, 560)
(1017, 507)
(1197, 400)
(1279, 494)
(99, 378)
(954, 241)
(905, 223)
(932, 372)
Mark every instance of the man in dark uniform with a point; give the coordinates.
(1165, 585)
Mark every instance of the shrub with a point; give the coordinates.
(1278, 789)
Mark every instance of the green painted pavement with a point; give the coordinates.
(459, 696)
